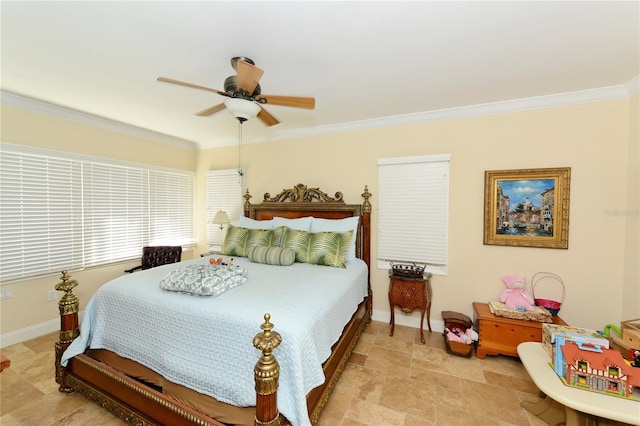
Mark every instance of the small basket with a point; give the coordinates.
(552, 306)
(457, 321)
(406, 270)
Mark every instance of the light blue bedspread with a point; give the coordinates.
(205, 343)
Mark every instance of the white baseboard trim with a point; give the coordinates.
(32, 332)
(409, 320)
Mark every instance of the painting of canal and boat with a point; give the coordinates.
(527, 207)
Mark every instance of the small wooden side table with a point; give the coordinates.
(501, 335)
(410, 294)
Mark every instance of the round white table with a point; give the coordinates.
(571, 405)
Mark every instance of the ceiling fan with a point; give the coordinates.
(244, 95)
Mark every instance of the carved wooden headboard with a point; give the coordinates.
(301, 201)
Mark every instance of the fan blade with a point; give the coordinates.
(266, 118)
(289, 101)
(248, 76)
(210, 111)
(193, 86)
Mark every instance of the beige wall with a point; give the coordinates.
(599, 141)
(592, 139)
(631, 289)
(29, 306)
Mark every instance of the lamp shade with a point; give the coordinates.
(221, 218)
(242, 109)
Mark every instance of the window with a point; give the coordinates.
(414, 211)
(224, 192)
(40, 214)
(171, 208)
(60, 211)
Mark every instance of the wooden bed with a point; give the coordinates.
(139, 403)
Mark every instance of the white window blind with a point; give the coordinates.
(414, 211)
(115, 208)
(172, 204)
(40, 214)
(63, 211)
(224, 192)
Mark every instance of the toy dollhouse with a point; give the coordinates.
(594, 368)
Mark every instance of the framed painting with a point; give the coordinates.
(527, 207)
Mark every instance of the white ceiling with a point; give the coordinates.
(367, 63)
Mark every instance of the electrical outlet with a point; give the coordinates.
(51, 296)
(6, 293)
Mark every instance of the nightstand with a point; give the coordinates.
(409, 294)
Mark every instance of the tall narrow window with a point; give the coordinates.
(224, 192)
(414, 211)
(115, 208)
(171, 208)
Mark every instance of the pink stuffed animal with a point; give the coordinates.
(515, 296)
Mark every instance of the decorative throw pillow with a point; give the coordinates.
(339, 225)
(319, 248)
(235, 241)
(238, 240)
(264, 237)
(272, 255)
(204, 280)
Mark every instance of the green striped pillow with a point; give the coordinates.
(272, 255)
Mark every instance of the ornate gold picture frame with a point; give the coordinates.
(527, 207)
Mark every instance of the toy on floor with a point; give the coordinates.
(514, 296)
(467, 336)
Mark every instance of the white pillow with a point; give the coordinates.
(299, 224)
(245, 222)
(339, 225)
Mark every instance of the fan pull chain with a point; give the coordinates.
(240, 171)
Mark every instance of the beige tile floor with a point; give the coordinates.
(388, 381)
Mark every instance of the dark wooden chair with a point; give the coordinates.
(153, 256)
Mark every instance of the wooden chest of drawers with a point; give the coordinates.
(500, 335)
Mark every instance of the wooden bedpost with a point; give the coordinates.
(247, 203)
(366, 249)
(69, 328)
(266, 374)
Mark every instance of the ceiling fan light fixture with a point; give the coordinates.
(242, 109)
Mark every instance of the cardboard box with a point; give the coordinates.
(550, 332)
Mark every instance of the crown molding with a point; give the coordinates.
(34, 105)
(624, 91)
(633, 86)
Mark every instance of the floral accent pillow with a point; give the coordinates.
(319, 248)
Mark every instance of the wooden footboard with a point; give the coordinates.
(137, 403)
